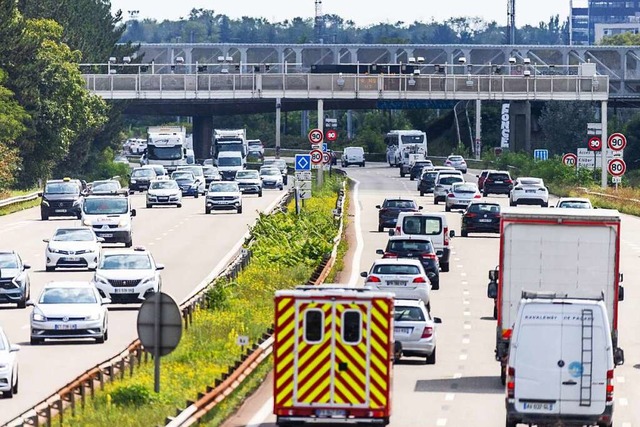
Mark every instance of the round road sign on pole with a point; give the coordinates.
(331, 135)
(570, 159)
(595, 143)
(617, 167)
(315, 136)
(326, 158)
(316, 156)
(617, 141)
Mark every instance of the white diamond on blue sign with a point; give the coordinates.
(325, 146)
(303, 162)
(541, 154)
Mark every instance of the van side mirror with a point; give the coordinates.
(452, 233)
(392, 232)
(621, 293)
(437, 320)
(493, 275)
(492, 290)
(618, 356)
(420, 208)
(39, 193)
(133, 212)
(379, 252)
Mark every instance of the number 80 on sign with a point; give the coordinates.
(617, 167)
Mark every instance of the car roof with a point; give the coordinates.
(69, 284)
(127, 251)
(8, 252)
(402, 199)
(73, 228)
(481, 202)
(403, 261)
(410, 237)
(574, 199)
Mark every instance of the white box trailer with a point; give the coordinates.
(569, 252)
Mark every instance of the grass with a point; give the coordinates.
(16, 207)
(626, 205)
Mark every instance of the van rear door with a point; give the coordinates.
(422, 224)
(585, 356)
(537, 351)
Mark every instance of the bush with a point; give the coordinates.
(132, 395)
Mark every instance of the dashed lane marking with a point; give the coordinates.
(463, 357)
(623, 401)
(449, 397)
(441, 422)
(457, 376)
(466, 340)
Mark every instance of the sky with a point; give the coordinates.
(362, 12)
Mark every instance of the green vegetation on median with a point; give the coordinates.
(285, 250)
(16, 207)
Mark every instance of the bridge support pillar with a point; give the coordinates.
(604, 170)
(202, 135)
(520, 126)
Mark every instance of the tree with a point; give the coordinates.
(563, 125)
(624, 39)
(12, 125)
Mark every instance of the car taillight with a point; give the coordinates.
(397, 230)
(428, 256)
(477, 196)
(470, 215)
(373, 279)
(610, 385)
(427, 332)
(508, 181)
(419, 280)
(511, 383)
(506, 333)
(388, 255)
(446, 236)
(518, 188)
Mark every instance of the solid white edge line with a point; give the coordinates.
(357, 255)
(262, 414)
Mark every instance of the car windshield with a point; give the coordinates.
(465, 188)
(209, 170)
(450, 179)
(269, 172)
(182, 175)
(395, 269)
(456, 158)
(531, 181)
(421, 164)
(159, 170)
(575, 204)
(247, 174)
(105, 186)
(499, 176)
(484, 208)
(144, 172)
(224, 187)
(400, 204)
(106, 206)
(404, 313)
(62, 188)
(429, 176)
(73, 235)
(422, 246)
(125, 262)
(256, 144)
(8, 261)
(230, 161)
(163, 185)
(68, 296)
(195, 170)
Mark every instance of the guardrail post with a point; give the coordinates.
(61, 410)
(122, 369)
(47, 414)
(72, 397)
(82, 394)
(131, 364)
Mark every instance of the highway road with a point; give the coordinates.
(189, 243)
(463, 388)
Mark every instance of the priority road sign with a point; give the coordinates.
(570, 159)
(331, 135)
(315, 136)
(617, 141)
(595, 143)
(303, 162)
(617, 167)
(316, 157)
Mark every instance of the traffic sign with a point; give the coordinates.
(541, 154)
(326, 158)
(315, 136)
(617, 167)
(304, 185)
(305, 194)
(242, 340)
(570, 159)
(331, 135)
(617, 141)
(616, 179)
(595, 143)
(316, 157)
(303, 162)
(325, 146)
(303, 176)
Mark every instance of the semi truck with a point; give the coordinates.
(573, 253)
(166, 146)
(229, 140)
(333, 354)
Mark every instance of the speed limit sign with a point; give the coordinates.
(617, 141)
(570, 159)
(315, 136)
(316, 157)
(617, 167)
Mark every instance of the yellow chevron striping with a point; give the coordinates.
(322, 393)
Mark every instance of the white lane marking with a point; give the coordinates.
(463, 357)
(441, 422)
(463, 274)
(262, 414)
(626, 424)
(449, 397)
(151, 244)
(457, 375)
(467, 326)
(620, 379)
(466, 302)
(158, 238)
(623, 401)
(464, 283)
(357, 255)
(465, 292)
(467, 313)
(456, 259)
(466, 340)
(25, 326)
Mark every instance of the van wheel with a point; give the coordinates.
(511, 423)
(495, 311)
(435, 200)
(464, 233)
(149, 205)
(503, 375)
(380, 229)
(431, 359)
(421, 193)
(444, 267)
(447, 209)
(49, 269)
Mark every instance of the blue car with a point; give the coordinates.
(187, 183)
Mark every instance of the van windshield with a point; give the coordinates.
(62, 188)
(106, 206)
(229, 161)
(429, 226)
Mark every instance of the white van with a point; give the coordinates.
(109, 217)
(229, 162)
(353, 156)
(561, 363)
(432, 224)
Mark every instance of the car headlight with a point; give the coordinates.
(133, 181)
(100, 279)
(77, 202)
(147, 280)
(124, 222)
(94, 316)
(86, 222)
(39, 317)
(54, 250)
(45, 202)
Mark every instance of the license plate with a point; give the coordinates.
(65, 326)
(403, 331)
(530, 191)
(499, 182)
(547, 407)
(60, 210)
(125, 291)
(331, 412)
(105, 234)
(221, 202)
(397, 283)
(484, 220)
(72, 258)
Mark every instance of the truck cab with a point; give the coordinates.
(109, 217)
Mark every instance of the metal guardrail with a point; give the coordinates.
(18, 199)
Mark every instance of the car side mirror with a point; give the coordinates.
(492, 290)
(420, 208)
(378, 207)
(133, 212)
(363, 274)
(14, 348)
(621, 293)
(477, 176)
(392, 232)
(159, 266)
(45, 240)
(437, 320)
(40, 193)
(106, 301)
(452, 233)
(493, 275)
(101, 239)
(379, 252)
(30, 303)
(26, 266)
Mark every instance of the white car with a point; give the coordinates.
(456, 162)
(271, 178)
(164, 192)
(574, 203)
(249, 182)
(223, 195)
(8, 366)
(444, 181)
(405, 278)
(128, 276)
(256, 147)
(73, 247)
(69, 310)
(530, 191)
(414, 330)
(460, 195)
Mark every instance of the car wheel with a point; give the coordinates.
(380, 228)
(444, 267)
(447, 208)
(435, 285)
(179, 205)
(260, 194)
(545, 204)
(484, 194)
(431, 359)
(513, 423)
(285, 180)
(44, 217)
(106, 335)
(128, 243)
(435, 200)
(464, 233)
(362, 164)
(495, 312)
(15, 386)
(503, 375)
(23, 302)
(421, 193)
(196, 195)
(240, 210)
(149, 205)
(100, 340)
(402, 174)
(78, 215)
(36, 341)
(412, 178)
(49, 269)
(8, 394)
(207, 211)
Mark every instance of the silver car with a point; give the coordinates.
(414, 330)
(73, 247)
(69, 310)
(164, 192)
(456, 162)
(461, 195)
(444, 181)
(15, 285)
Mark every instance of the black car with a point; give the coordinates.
(62, 197)
(481, 217)
(416, 170)
(427, 182)
(390, 209)
(141, 178)
(415, 247)
(497, 182)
